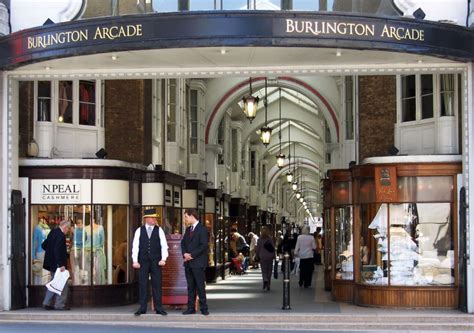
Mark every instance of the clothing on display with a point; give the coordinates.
(94, 250)
(40, 233)
(417, 256)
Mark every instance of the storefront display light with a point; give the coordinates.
(250, 104)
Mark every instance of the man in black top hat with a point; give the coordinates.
(149, 254)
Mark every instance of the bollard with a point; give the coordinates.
(286, 282)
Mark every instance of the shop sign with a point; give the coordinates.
(386, 184)
(60, 191)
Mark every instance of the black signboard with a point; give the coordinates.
(236, 28)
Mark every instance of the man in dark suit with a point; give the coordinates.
(195, 248)
(149, 254)
(56, 257)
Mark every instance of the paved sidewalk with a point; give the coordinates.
(239, 302)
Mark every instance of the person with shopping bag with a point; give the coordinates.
(55, 258)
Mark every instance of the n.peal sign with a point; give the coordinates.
(60, 191)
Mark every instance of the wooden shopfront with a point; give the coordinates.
(406, 229)
(340, 234)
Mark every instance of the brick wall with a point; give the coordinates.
(127, 120)
(377, 115)
(26, 109)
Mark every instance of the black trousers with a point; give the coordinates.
(147, 268)
(196, 279)
(306, 271)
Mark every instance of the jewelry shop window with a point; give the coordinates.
(411, 243)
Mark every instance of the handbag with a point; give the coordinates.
(275, 269)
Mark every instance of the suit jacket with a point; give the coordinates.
(197, 245)
(56, 252)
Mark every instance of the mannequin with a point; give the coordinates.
(77, 254)
(94, 242)
(40, 232)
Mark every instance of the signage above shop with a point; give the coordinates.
(228, 28)
(60, 191)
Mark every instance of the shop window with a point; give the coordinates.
(253, 168)
(221, 142)
(426, 96)
(209, 222)
(408, 244)
(447, 95)
(344, 244)
(349, 99)
(171, 111)
(65, 102)
(87, 103)
(235, 151)
(97, 243)
(408, 98)
(44, 101)
(194, 108)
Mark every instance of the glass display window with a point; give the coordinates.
(327, 239)
(97, 242)
(209, 223)
(408, 244)
(45, 218)
(344, 243)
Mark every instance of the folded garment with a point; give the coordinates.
(443, 279)
(427, 262)
(429, 254)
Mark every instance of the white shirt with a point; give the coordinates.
(194, 225)
(253, 242)
(305, 245)
(136, 243)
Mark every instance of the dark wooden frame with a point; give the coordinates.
(407, 296)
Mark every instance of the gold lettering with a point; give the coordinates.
(98, 33)
(139, 31)
(290, 27)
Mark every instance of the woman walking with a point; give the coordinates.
(305, 245)
(265, 253)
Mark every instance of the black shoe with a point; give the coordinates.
(139, 312)
(62, 309)
(189, 311)
(205, 312)
(48, 307)
(161, 312)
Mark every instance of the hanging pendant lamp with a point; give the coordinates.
(289, 174)
(265, 131)
(280, 157)
(250, 104)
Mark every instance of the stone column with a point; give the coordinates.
(468, 166)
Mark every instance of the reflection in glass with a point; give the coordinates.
(344, 244)
(209, 222)
(65, 102)
(44, 101)
(87, 103)
(418, 245)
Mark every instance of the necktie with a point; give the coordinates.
(191, 230)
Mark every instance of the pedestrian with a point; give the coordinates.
(253, 248)
(305, 245)
(149, 254)
(195, 248)
(56, 257)
(265, 253)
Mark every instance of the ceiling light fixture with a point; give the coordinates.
(250, 104)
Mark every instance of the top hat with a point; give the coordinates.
(150, 213)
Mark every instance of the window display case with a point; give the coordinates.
(213, 221)
(99, 208)
(327, 240)
(341, 234)
(406, 229)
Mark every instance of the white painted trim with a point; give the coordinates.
(80, 162)
(468, 150)
(413, 159)
(207, 72)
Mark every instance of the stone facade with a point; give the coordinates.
(377, 115)
(128, 120)
(26, 109)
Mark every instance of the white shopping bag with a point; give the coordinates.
(56, 285)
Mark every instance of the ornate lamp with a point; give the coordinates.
(265, 131)
(280, 157)
(250, 104)
(289, 174)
